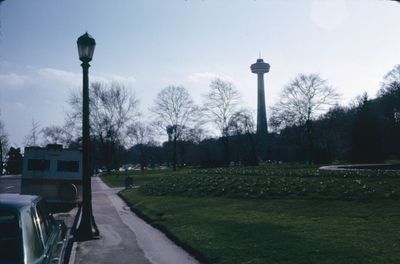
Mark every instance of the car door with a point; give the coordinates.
(10, 237)
(52, 234)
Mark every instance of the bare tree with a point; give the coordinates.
(306, 97)
(194, 134)
(190, 136)
(302, 100)
(174, 109)
(56, 135)
(141, 134)
(220, 104)
(242, 123)
(112, 109)
(388, 105)
(391, 81)
(32, 138)
(3, 146)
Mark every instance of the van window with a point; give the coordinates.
(67, 165)
(10, 251)
(38, 165)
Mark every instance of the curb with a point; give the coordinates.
(72, 255)
(359, 167)
(70, 252)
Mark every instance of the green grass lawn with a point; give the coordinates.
(117, 179)
(285, 229)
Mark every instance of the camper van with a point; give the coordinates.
(53, 172)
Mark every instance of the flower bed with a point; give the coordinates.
(261, 183)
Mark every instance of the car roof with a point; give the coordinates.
(15, 202)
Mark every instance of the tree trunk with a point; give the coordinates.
(1, 158)
(174, 155)
(253, 149)
(225, 143)
(309, 141)
(141, 157)
(182, 151)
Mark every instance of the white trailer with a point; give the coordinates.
(54, 173)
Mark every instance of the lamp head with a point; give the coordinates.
(86, 44)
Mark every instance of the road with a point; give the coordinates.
(10, 184)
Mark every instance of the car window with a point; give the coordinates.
(33, 234)
(42, 220)
(45, 210)
(10, 251)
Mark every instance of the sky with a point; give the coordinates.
(150, 44)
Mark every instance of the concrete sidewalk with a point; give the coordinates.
(125, 238)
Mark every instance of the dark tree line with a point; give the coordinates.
(13, 164)
(3, 145)
(367, 131)
(306, 125)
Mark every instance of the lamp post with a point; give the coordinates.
(171, 131)
(87, 228)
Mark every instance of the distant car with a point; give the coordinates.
(28, 233)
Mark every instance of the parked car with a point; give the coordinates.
(28, 232)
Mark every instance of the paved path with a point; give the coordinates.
(125, 238)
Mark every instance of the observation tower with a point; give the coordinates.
(260, 68)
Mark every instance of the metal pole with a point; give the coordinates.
(87, 227)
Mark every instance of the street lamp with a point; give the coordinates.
(171, 131)
(87, 228)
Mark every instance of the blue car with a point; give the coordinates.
(28, 233)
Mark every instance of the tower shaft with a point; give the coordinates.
(262, 127)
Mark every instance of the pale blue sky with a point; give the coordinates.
(150, 44)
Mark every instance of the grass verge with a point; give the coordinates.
(294, 227)
(277, 231)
